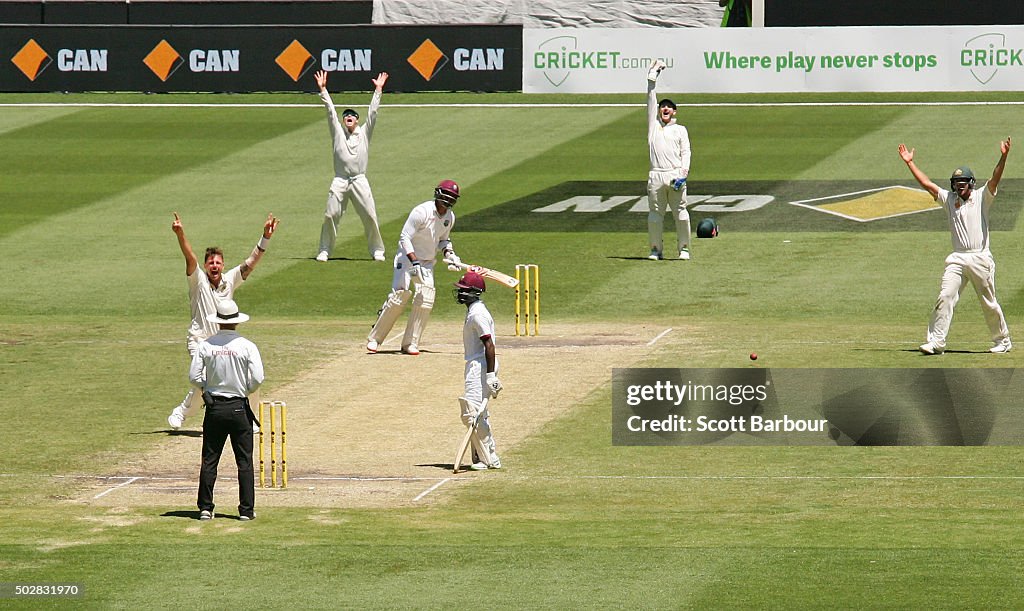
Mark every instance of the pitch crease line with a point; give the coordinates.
(121, 485)
(659, 336)
(431, 489)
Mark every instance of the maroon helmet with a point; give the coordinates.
(446, 192)
(469, 288)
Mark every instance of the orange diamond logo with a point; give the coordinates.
(427, 59)
(31, 59)
(163, 60)
(295, 60)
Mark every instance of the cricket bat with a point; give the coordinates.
(490, 274)
(460, 453)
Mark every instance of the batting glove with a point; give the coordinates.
(678, 183)
(453, 261)
(493, 384)
(416, 270)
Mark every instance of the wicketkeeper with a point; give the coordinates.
(669, 145)
(351, 145)
(481, 369)
(425, 233)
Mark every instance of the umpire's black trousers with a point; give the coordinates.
(227, 417)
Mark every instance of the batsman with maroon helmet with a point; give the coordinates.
(425, 233)
(481, 369)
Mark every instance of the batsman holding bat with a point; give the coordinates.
(482, 381)
(425, 233)
(207, 286)
(971, 260)
(351, 155)
(669, 145)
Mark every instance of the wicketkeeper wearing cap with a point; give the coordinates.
(481, 369)
(425, 233)
(351, 156)
(971, 260)
(669, 145)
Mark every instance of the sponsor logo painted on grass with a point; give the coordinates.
(581, 206)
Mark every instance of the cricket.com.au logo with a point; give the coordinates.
(558, 57)
(985, 55)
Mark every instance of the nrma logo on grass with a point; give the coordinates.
(765, 206)
(986, 54)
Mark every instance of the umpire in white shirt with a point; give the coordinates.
(228, 368)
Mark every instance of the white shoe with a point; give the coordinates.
(496, 464)
(371, 346)
(378, 256)
(1001, 348)
(322, 257)
(684, 255)
(411, 349)
(655, 255)
(478, 466)
(177, 418)
(931, 348)
(206, 514)
(656, 67)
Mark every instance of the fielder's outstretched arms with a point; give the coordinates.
(669, 145)
(351, 144)
(426, 232)
(481, 382)
(967, 211)
(205, 289)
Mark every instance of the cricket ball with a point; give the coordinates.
(753, 356)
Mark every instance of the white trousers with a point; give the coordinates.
(483, 441)
(193, 399)
(979, 269)
(661, 198)
(356, 190)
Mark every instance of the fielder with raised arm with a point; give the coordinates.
(205, 289)
(481, 370)
(971, 260)
(669, 145)
(425, 233)
(351, 156)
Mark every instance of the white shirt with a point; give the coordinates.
(227, 365)
(669, 144)
(425, 232)
(479, 325)
(203, 298)
(968, 220)
(351, 150)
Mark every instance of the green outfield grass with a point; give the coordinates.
(93, 310)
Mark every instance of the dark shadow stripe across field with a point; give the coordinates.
(72, 161)
(762, 206)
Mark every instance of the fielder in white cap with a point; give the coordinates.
(426, 232)
(351, 144)
(482, 382)
(208, 285)
(967, 210)
(669, 145)
(227, 368)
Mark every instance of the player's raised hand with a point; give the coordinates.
(380, 80)
(321, 79)
(176, 225)
(270, 226)
(906, 154)
(1004, 146)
